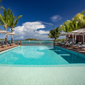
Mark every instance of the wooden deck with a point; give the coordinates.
(7, 47)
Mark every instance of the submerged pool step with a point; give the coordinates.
(64, 54)
(57, 50)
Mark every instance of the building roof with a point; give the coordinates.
(82, 30)
(79, 31)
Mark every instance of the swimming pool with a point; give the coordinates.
(40, 55)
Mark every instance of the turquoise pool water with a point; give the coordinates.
(40, 55)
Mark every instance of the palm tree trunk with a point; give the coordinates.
(11, 35)
(11, 38)
(6, 38)
(5, 27)
(54, 43)
(11, 29)
(5, 34)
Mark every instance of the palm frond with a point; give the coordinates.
(16, 21)
(83, 12)
(1, 18)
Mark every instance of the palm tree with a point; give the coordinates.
(8, 20)
(4, 19)
(54, 33)
(66, 27)
(78, 21)
(83, 12)
(12, 23)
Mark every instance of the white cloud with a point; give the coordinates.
(42, 32)
(31, 30)
(56, 18)
(22, 37)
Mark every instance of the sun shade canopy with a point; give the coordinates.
(3, 31)
(11, 33)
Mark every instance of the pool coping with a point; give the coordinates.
(64, 65)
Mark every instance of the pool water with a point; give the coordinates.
(40, 55)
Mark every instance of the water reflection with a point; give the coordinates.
(29, 52)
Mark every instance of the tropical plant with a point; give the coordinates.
(4, 19)
(8, 19)
(78, 21)
(0, 4)
(83, 12)
(66, 26)
(13, 22)
(54, 33)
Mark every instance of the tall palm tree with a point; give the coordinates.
(4, 19)
(78, 21)
(54, 33)
(83, 12)
(12, 23)
(66, 27)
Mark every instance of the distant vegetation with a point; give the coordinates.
(1, 39)
(61, 39)
(31, 39)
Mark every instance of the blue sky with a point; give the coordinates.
(40, 15)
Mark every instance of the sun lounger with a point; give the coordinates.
(2, 45)
(6, 43)
(5, 47)
(82, 46)
(76, 46)
(63, 43)
(11, 44)
(70, 44)
(67, 44)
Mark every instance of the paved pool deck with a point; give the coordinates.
(42, 75)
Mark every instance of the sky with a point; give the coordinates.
(40, 15)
